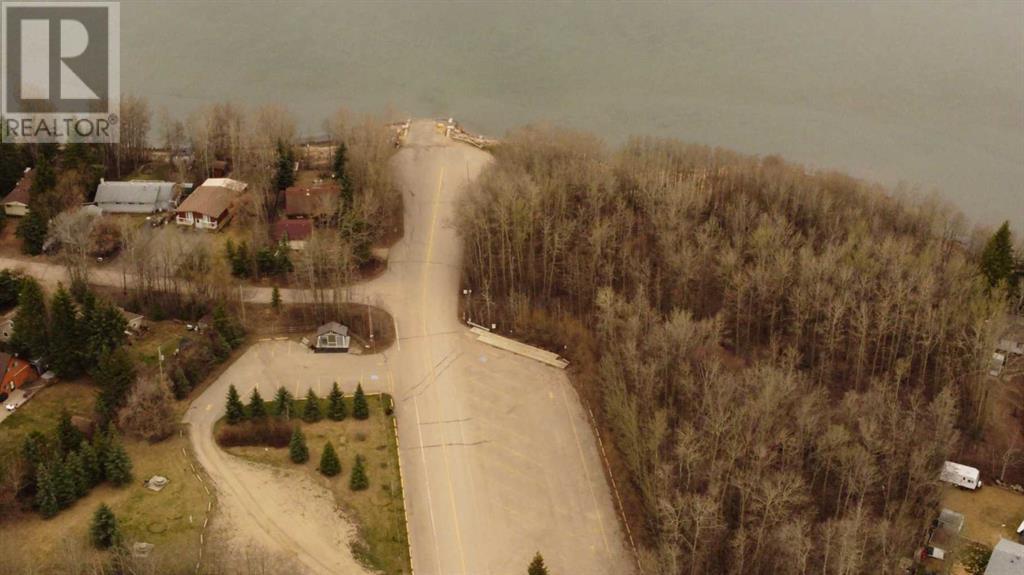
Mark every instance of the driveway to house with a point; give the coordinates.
(497, 456)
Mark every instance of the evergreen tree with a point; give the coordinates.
(68, 436)
(65, 336)
(282, 403)
(341, 173)
(285, 176)
(180, 385)
(30, 337)
(997, 258)
(257, 409)
(46, 493)
(63, 483)
(103, 325)
(311, 411)
(32, 230)
(336, 410)
(360, 407)
(115, 376)
(227, 327)
(358, 480)
(76, 473)
(241, 263)
(537, 566)
(297, 449)
(44, 178)
(329, 464)
(234, 410)
(10, 286)
(275, 299)
(91, 469)
(101, 447)
(104, 531)
(118, 467)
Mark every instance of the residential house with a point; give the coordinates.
(16, 372)
(7, 325)
(136, 197)
(332, 337)
(208, 207)
(1007, 559)
(1012, 340)
(16, 202)
(134, 320)
(294, 232)
(317, 201)
(220, 168)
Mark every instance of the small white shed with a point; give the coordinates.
(332, 337)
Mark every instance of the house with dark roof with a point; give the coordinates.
(16, 202)
(1007, 559)
(315, 201)
(332, 337)
(136, 197)
(294, 232)
(208, 207)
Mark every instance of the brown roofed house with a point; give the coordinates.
(16, 202)
(295, 232)
(208, 207)
(311, 202)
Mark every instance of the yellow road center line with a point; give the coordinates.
(429, 364)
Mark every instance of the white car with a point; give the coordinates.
(11, 406)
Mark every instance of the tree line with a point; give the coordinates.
(784, 357)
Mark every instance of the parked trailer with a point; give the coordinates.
(961, 475)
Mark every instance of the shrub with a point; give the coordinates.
(148, 413)
(267, 433)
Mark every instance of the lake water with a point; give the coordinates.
(924, 93)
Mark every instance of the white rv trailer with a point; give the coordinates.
(960, 475)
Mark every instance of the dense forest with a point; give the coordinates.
(784, 358)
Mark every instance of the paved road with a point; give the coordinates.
(497, 456)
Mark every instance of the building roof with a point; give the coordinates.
(295, 230)
(129, 316)
(20, 193)
(332, 327)
(306, 201)
(1007, 559)
(951, 520)
(233, 185)
(211, 200)
(135, 196)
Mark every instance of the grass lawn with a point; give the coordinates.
(378, 512)
(989, 513)
(163, 335)
(171, 519)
